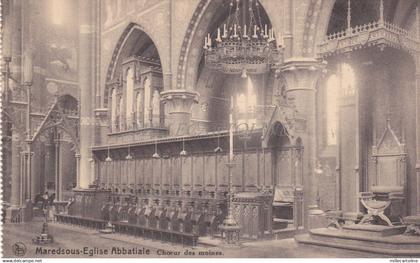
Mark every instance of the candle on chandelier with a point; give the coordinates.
(205, 43)
(265, 31)
(218, 39)
(245, 31)
(234, 31)
(255, 32)
(280, 40)
(224, 31)
(209, 40)
(27, 67)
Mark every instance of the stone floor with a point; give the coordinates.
(75, 239)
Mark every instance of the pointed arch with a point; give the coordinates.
(133, 41)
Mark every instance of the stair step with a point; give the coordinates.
(375, 230)
(343, 237)
(402, 251)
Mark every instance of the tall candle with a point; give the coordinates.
(224, 31)
(245, 31)
(27, 67)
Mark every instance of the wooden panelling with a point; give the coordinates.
(186, 171)
(210, 170)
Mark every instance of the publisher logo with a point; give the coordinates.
(19, 249)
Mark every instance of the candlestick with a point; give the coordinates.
(265, 31)
(218, 39)
(27, 67)
(205, 43)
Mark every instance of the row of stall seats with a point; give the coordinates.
(132, 229)
(181, 221)
(185, 219)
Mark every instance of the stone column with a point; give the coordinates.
(417, 83)
(301, 76)
(16, 21)
(16, 195)
(86, 52)
(178, 104)
(57, 169)
(288, 27)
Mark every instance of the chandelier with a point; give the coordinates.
(244, 44)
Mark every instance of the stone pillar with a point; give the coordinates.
(57, 169)
(417, 83)
(16, 20)
(301, 76)
(36, 171)
(48, 164)
(16, 195)
(288, 28)
(178, 106)
(86, 53)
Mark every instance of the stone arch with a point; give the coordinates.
(127, 45)
(191, 49)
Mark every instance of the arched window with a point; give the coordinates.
(113, 109)
(342, 84)
(347, 81)
(331, 109)
(156, 108)
(139, 110)
(121, 114)
(147, 99)
(246, 104)
(129, 98)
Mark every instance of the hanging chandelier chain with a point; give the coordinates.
(259, 14)
(243, 46)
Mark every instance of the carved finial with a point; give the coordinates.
(349, 15)
(381, 11)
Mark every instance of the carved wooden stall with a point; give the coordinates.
(253, 212)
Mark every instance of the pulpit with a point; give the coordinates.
(386, 197)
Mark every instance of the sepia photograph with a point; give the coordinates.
(210, 129)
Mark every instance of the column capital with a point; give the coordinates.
(178, 105)
(301, 73)
(178, 100)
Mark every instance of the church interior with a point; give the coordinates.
(230, 120)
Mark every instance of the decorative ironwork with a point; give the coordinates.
(379, 33)
(250, 48)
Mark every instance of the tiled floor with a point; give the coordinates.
(74, 239)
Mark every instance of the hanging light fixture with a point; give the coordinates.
(156, 155)
(218, 148)
(246, 45)
(129, 156)
(108, 158)
(183, 152)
